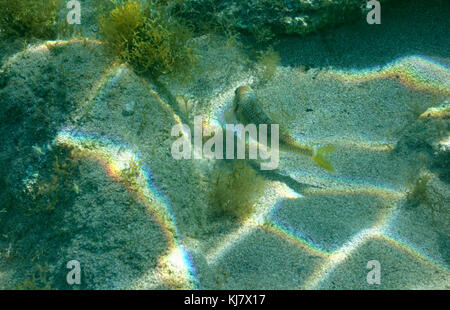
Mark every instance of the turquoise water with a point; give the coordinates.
(93, 196)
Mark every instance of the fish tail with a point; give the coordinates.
(320, 156)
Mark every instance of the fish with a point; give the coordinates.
(38, 149)
(76, 188)
(249, 110)
(440, 111)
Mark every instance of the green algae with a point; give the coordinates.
(29, 18)
(235, 190)
(143, 36)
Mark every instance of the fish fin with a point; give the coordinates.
(320, 157)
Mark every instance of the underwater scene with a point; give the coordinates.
(224, 144)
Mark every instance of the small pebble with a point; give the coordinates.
(129, 109)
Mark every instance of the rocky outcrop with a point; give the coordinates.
(264, 18)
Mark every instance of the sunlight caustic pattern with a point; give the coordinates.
(46, 47)
(275, 193)
(118, 158)
(416, 72)
(177, 266)
(440, 111)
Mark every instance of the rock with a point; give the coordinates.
(128, 110)
(443, 145)
(263, 19)
(441, 159)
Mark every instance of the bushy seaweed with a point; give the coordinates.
(45, 195)
(29, 18)
(53, 188)
(39, 279)
(418, 192)
(131, 174)
(422, 194)
(235, 190)
(270, 59)
(146, 37)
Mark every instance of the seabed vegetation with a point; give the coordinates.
(92, 112)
